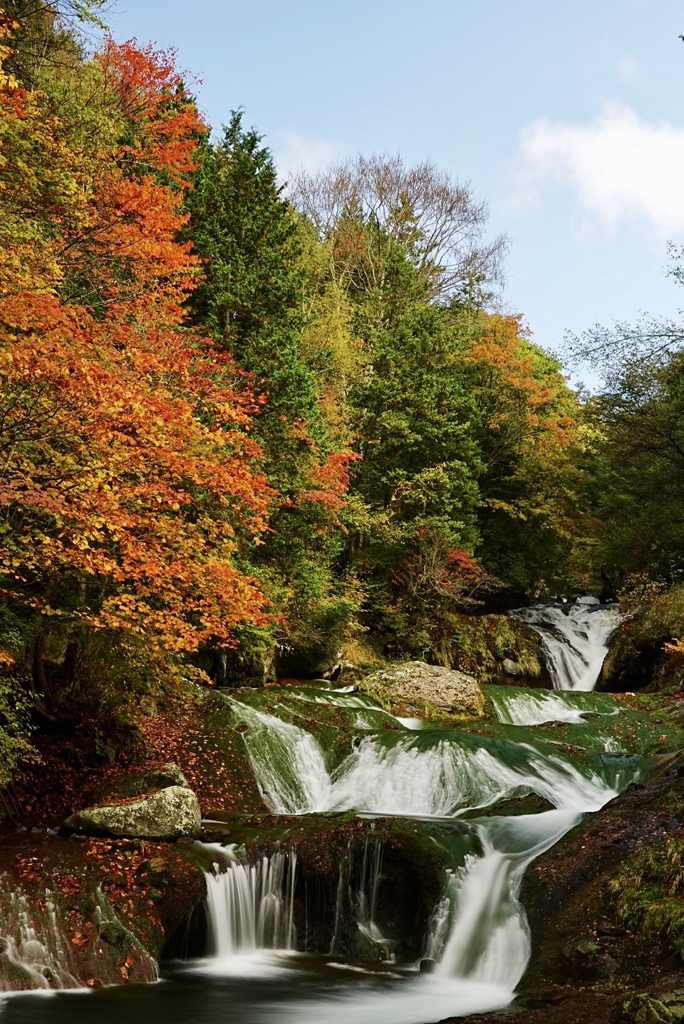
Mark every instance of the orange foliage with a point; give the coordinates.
(127, 477)
(517, 388)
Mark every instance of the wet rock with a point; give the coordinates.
(588, 961)
(114, 934)
(414, 688)
(155, 870)
(168, 814)
(14, 977)
(674, 1002)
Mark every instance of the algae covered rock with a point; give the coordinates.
(645, 1009)
(588, 961)
(416, 689)
(170, 813)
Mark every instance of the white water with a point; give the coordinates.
(575, 639)
(536, 707)
(407, 778)
(479, 933)
(32, 942)
(489, 941)
(249, 909)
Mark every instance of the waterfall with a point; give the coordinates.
(33, 952)
(489, 937)
(288, 764)
(409, 774)
(478, 935)
(251, 906)
(575, 640)
(515, 706)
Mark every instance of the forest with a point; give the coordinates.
(252, 428)
(341, 628)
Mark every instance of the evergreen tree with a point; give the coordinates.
(254, 300)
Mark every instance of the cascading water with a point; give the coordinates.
(575, 639)
(250, 906)
(479, 935)
(433, 780)
(515, 706)
(489, 938)
(34, 952)
(425, 774)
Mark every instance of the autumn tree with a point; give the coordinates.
(528, 431)
(129, 486)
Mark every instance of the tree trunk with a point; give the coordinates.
(69, 663)
(39, 680)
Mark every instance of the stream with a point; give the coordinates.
(274, 953)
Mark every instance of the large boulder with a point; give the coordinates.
(415, 689)
(139, 784)
(168, 814)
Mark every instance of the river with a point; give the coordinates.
(439, 784)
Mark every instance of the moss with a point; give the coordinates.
(640, 656)
(480, 645)
(649, 889)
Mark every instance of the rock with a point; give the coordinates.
(588, 961)
(171, 813)
(674, 1001)
(646, 1009)
(511, 668)
(413, 687)
(114, 934)
(141, 783)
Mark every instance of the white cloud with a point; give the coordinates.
(296, 152)
(619, 166)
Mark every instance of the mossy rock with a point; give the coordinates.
(645, 1009)
(171, 813)
(141, 783)
(416, 689)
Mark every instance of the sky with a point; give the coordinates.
(567, 117)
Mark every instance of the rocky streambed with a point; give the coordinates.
(419, 849)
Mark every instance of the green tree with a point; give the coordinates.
(258, 300)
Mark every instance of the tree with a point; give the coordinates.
(129, 485)
(526, 426)
(257, 300)
(638, 460)
(437, 221)
(48, 34)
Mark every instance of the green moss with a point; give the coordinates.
(649, 891)
(640, 655)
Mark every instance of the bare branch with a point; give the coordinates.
(434, 217)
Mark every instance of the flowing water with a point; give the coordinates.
(434, 781)
(575, 637)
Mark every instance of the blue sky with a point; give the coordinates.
(567, 117)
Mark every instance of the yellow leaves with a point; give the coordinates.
(7, 28)
(128, 466)
(675, 647)
(154, 521)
